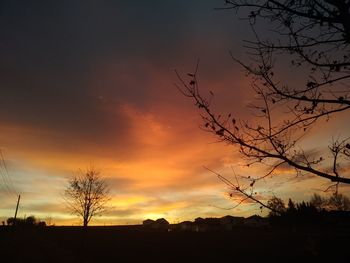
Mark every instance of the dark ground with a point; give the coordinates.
(135, 244)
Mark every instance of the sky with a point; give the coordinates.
(92, 83)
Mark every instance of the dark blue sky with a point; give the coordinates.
(49, 49)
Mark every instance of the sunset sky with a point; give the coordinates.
(92, 83)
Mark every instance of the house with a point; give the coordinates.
(199, 220)
(160, 223)
(228, 222)
(148, 222)
(256, 221)
(200, 225)
(186, 226)
(206, 224)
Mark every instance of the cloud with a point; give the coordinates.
(94, 84)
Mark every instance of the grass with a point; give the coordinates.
(136, 244)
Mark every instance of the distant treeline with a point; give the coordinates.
(29, 221)
(334, 210)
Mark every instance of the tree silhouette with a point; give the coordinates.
(276, 205)
(319, 202)
(29, 221)
(87, 195)
(313, 36)
(339, 202)
(336, 202)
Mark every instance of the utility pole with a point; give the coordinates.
(19, 198)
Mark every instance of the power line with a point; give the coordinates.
(6, 171)
(5, 185)
(7, 181)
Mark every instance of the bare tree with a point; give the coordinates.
(313, 36)
(87, 195)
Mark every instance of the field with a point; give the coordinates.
(136, 244)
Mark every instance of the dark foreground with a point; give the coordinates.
(135, 244)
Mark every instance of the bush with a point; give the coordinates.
(29, 221)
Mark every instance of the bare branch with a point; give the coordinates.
(315, 36)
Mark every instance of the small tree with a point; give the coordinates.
(276, 206)
(87, 195)
(30, 221)
(339, 202)
(319, 202)
(291, 209)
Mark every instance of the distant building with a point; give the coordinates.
(256, 221)
(207, 224)
(160, 223)
(186, 226)
(226, 223)
(148, 222)
(229, 222)
(200, 225)
(199, 220)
